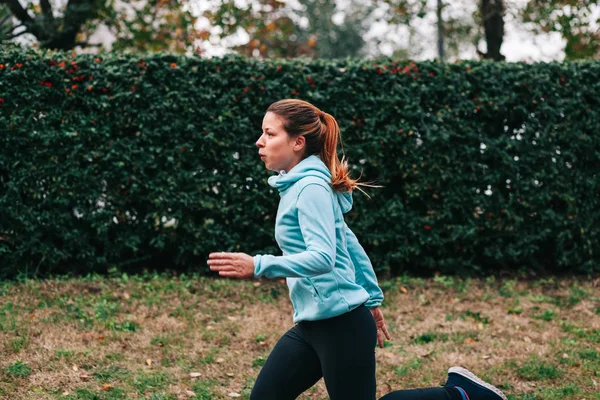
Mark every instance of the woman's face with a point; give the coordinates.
(276, 149)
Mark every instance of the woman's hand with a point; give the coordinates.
(381, 326)
(232, 265)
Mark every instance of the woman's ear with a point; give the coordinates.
(299, 143)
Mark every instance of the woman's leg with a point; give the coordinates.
(434, 393)
(346, 347)
(291, 368)
(462, 384)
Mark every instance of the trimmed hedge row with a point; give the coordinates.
(132, 162)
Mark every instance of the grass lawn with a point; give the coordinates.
(160, 337)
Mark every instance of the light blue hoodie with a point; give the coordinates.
(326, 269)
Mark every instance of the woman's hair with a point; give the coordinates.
(321, 131)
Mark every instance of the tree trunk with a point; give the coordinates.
(492, 18)
(44, 27)
(440, 7)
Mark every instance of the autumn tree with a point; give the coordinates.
(54, 32)
(276, 30)
(151, 25)
(269, 28)
(573, 19)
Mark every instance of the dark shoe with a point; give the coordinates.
(473, 387)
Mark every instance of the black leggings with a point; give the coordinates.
(339, 349)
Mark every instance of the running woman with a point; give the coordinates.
(332, 285)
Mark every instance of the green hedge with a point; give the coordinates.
(487, 167)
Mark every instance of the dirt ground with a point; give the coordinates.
(161, 337)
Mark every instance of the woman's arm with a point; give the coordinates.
(317, 224)
(365, 275)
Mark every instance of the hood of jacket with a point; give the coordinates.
(310, 166)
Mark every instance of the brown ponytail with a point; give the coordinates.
(322, 133)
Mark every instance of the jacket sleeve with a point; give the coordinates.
(317, 225)
(365, 275)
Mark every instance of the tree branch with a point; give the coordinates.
(18, 11)
(14, 28)
(77, 12)
(47, 9)
(5, 20)
(10, 37)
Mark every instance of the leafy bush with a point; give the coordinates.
(131, 162)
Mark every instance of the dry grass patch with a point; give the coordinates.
(160, 337)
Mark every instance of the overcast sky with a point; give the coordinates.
(519, 44)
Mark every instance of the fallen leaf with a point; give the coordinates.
(234, 394)
(230, 374)
(75, 368)
(231, 318)
(195, 374)
(148, 361)
(594, 382)
(256, 284)
(220, 360)
(565, 355)
(403, 289)
(106, 387)
(66, 392)
(189, 393)
(480, 326)
(469, 340)
(101, 337)
(485, 357)
(84, 376)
